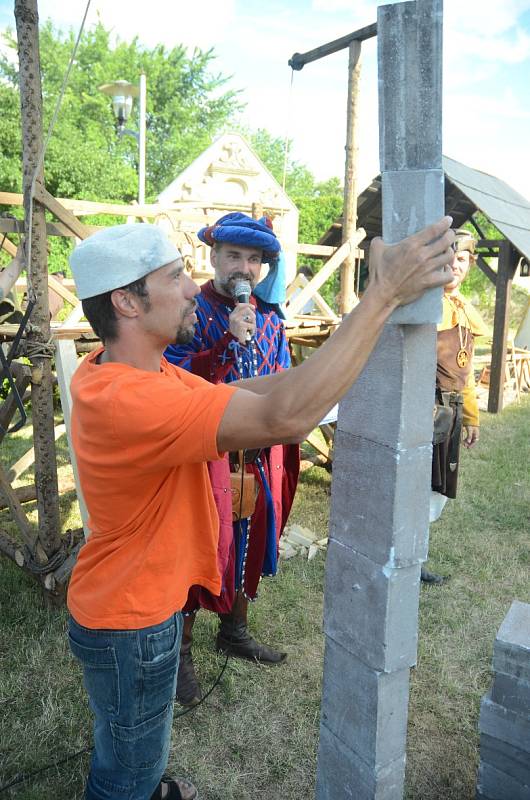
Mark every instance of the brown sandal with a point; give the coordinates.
(175, 786)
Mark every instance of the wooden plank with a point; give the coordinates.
(66, 365)
(315, 249)
(318, 445)
(348, 297)
(505, 273)
(322, 305)
(62, 291)
(63, 215)
(298, 60)
(59, 330)
(17, 512)
(88, 207)
(322, 275)
(10, 274)
(486, 269)
(74, 317)
(25, 461)
(52, 228)
(28, 493)
(8, 246)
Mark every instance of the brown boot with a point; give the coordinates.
(188, 690)
(234, 639)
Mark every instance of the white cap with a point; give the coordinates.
(119, 255)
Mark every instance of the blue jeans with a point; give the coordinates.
(130, 677)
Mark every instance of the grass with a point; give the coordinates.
(257, 734)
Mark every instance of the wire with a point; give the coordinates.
(18, 779)
(287, 127)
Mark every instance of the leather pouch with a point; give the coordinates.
(443, 418)
(244, 488)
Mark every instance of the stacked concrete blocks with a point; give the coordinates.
(382, 453)
(504, 723)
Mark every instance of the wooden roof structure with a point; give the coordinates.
(467, 191)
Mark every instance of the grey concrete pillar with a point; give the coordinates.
(382, 464)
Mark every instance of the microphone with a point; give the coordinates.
(241, 292)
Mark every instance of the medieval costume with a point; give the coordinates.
(248, 549)
(217, 356)
(455, 387)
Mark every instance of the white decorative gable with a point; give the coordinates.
(229, 176)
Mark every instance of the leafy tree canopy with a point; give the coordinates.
(186, 106)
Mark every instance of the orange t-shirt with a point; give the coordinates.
(142, 440)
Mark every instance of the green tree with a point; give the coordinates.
(319, 202)
(187, 105)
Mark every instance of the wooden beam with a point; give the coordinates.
(505, 273)
(87, 207)
(52, 228)
(25, 461)
(322, 275)
(349, 217)
(315, 249)
(298, 60)
(63, 215)
(17, 512)
(486, 269)
(66, 364)
(8, 246)
(62, 291)
(28, 493)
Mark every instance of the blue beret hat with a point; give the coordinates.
(237, 228)
(119, 255)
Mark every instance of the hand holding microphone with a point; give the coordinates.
(242, 320)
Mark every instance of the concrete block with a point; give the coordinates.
(409, 44)
(365, 708)
(505, 757)
(342, 775)
(411, 200)
(399, 413)
(511, 651)
(511, 693)
(497, 785)
(386, 520)
(372, 611)
(501, 723)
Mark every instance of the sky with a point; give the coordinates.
(486, 71)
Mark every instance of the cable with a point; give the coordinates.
(26, 776)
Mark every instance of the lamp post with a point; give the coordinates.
(123, 94)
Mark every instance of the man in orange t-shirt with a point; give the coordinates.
(143, 431)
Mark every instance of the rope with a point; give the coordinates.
(40, 160)
(287, 128)
(33, 349)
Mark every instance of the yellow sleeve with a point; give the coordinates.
(470, 410)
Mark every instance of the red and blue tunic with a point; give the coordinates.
(217, 356)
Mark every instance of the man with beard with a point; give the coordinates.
(236, 340)
(143, 432)
(456, 409)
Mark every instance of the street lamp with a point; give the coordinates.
(123, 93)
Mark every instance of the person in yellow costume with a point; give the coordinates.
(456, 409)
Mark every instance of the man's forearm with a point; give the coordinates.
(295, 401)
(308, 391)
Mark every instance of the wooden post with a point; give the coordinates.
(505, 273)
(26, 16)
(349, 218)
